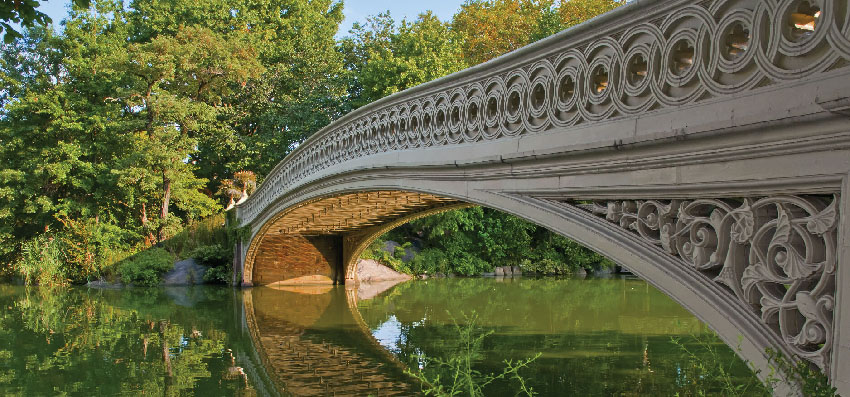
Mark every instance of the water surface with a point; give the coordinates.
(595, 336)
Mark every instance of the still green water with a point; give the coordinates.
(597, 337)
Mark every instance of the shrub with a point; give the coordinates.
(209, 231)
(218, 275)
(215, 255)
(430, 261)
(376, 252)
(218, 258)
(90, 247)
(42, 262)
(146, 267)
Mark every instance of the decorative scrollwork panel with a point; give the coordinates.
(776, 254)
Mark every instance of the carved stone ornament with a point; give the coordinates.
(777, 254)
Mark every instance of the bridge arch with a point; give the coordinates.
(720, 173)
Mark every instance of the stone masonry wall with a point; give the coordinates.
(287, 257)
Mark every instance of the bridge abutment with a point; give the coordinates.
(298, 259)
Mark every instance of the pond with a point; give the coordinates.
(589, 336)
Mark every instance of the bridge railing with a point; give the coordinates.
(647, 56)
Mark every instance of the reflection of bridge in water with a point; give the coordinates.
(311, 341)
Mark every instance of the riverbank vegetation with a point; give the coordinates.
(475, 240)
(129, 125)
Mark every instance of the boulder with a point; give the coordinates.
(602, 272)
(390, 246)
(185, 272)
(409, 252)
(580, 272)
(499, 272)
(507, 270)
(516, 270)
(103, 284)
(369, 270)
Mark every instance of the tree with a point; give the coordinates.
(24, 12)
(179, 86)
(495, 27)
(384, 58)
(299, 91)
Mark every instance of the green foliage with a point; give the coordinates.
(456, 376)
(376, 252)
(41, 262)
(211, 231)
(475, 240)
(495, 27)
(219, 259)
(386, 58)
(90, 247)
(215, 255)
(431, 261)
(707, 373)
(811, 380)
(218, 275)
(24, 12)
(146, 267)
(117, 130)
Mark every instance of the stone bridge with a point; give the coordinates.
(705, 145)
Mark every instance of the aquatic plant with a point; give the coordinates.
(456, 375)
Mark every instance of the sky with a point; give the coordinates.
(354, 10)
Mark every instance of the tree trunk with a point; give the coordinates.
(166, 357)
(166, 196)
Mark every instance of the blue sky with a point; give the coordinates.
(355, 10)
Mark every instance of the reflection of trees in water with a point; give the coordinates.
(92, 342)
(597, 336)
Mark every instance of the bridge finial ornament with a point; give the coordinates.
(777, 254)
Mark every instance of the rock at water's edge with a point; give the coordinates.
(369, 270)
(185, 272)
(103, 284)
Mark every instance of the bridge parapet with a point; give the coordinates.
(647, 58)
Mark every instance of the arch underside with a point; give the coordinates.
(320, 240)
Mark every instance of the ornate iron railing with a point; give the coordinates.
(645, 57)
